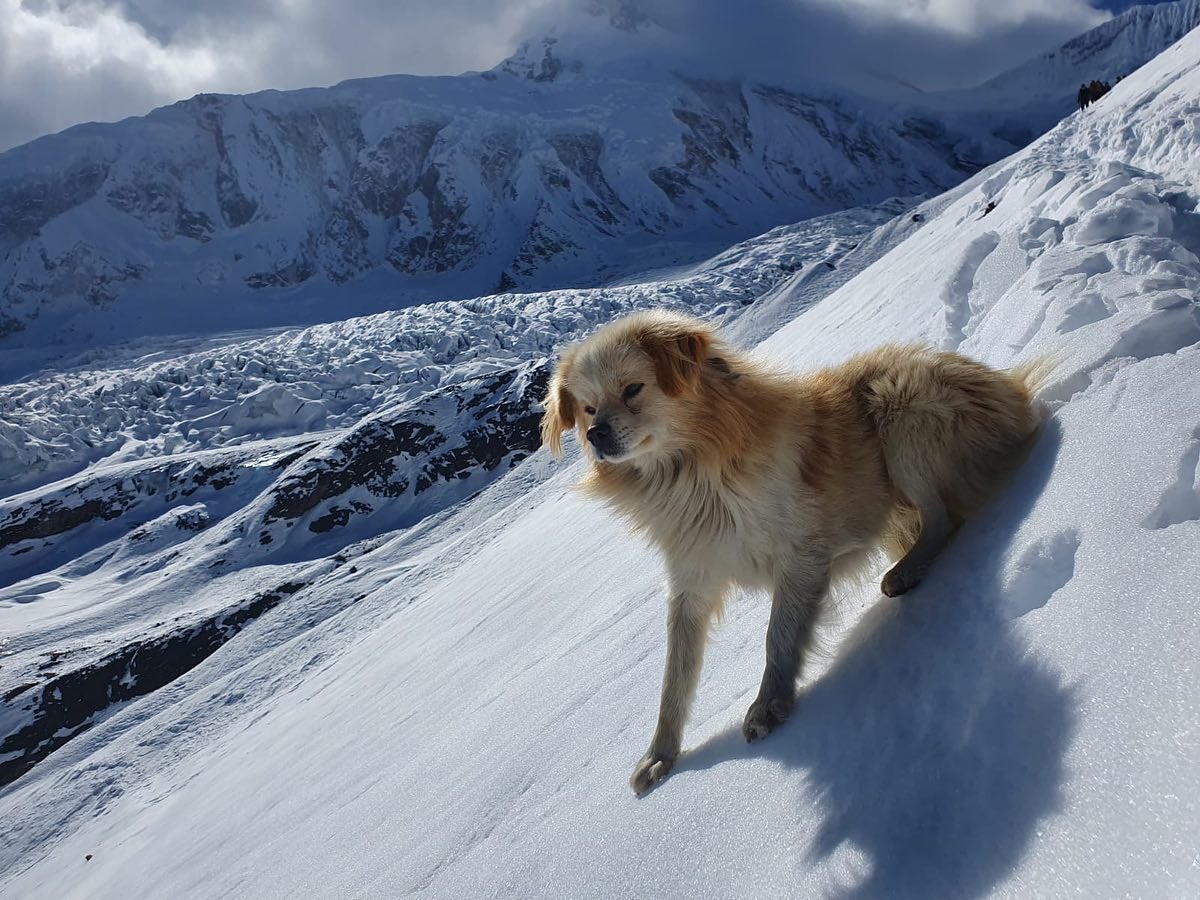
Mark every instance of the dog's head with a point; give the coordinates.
(623, 387)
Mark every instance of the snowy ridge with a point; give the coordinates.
(1107, 52)
(1022, 103)
(452, 709)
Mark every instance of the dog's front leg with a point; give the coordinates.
(794, 607)
(688, 618)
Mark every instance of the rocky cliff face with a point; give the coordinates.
(389, 471)
(1020, 104)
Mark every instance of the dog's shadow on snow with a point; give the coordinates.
(935, 743)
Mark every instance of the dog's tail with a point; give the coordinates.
(1032, 377)
(1035, 374)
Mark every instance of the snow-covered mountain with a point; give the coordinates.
(242, 654)
(589, 154)
(1119, 6)
(223, 211)
(1020, 104)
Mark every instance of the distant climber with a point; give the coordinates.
(1091, 92)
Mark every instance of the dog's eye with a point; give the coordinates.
(631, 391)
(590, 410)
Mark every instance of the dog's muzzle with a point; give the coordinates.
(601, 437)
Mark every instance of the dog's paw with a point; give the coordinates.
(650, 770)
(763, 716)
(899, 580)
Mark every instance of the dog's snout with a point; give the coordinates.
(600, 434)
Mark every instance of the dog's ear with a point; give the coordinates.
(678, 350)
(559, 415)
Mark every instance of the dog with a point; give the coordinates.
(742, 475)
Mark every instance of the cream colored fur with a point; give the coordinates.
(746, 476)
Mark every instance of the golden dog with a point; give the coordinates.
(742, 475)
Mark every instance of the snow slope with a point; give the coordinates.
(453, 709)
(1022, 103)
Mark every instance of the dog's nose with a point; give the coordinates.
(599, 434)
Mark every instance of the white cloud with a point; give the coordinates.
(63, 62)
(60, 65)
(969, 18)
(67, 61)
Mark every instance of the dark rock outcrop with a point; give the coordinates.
(65, 704)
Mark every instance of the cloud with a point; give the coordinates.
(933, 44)
(971, 17)
(67, 61)
(62, 65)
(64, 61)
(958, 43)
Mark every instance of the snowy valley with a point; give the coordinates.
(308, 612)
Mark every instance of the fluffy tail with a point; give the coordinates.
(1035, 374)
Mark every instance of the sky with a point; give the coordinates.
(69, 61)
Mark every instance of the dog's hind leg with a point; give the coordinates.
(794, 609)
(936, 529)
(688, 618)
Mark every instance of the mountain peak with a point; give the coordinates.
(599, 37)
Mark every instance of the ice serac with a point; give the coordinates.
(144, 401)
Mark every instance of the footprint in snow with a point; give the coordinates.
(1180, 502)
(1042, 570)
(956, 295)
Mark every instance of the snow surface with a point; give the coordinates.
(454, 709)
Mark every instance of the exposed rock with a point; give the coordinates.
(465, 430)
